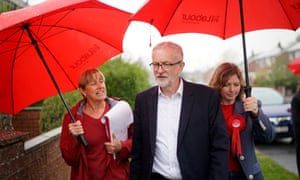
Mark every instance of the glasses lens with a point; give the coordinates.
(155, 65)
(165, 66)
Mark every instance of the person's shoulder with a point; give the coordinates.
(296, 98)
(111, 100)
(114, 98)
(197, 86)
(200, 90)
(297, 95)
(150, 90)
(78, 107)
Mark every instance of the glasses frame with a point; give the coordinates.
(165, 66)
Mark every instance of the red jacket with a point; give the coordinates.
(76, 155)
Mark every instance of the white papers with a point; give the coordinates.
(118, 119)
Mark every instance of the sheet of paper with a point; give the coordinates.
(119, 118)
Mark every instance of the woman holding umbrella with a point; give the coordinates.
(102, 158)
(245, 122)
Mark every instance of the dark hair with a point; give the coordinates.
(222, 74)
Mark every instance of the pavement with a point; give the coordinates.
(282, 152)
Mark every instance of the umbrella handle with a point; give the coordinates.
(80, 137)
(247, 90)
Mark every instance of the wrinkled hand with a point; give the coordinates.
(76, 128)
(250, 105)
(114, 146)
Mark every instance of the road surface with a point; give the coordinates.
(283, 152)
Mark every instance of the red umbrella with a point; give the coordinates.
(222, 18)
(294, 66)
(44, 48)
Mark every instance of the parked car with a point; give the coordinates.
(278, 111)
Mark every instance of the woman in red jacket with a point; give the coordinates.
(102, 159)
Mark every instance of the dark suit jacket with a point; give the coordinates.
(203, 143)
(296, 125)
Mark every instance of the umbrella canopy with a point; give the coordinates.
(294, 66)
(221, 18)
(44, 48)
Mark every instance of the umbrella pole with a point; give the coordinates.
(34, 43)
(247, 88)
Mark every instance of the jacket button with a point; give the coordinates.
(251, 176)
(242, 157)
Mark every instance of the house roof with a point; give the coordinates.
(276, 51)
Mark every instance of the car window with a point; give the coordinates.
(268, 96)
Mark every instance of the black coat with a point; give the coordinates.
(203, 143)
(296, 125)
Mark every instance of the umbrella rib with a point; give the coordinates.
(42, 35)
(68, 28)
(226, 12)
(285, 13)
(64, 28)
(19, 46)
(50, 26)
(178, 4)
(54, 57)
(12, 68)
(7, 39)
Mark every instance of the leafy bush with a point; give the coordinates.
(124, 80)
(54, 110)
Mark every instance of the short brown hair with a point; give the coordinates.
(87, 76)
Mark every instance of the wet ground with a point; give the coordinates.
(281, 151)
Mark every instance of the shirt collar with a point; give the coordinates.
(178, 92)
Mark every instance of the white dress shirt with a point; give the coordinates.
(168, 114)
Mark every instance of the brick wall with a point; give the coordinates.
(43, 157)
(27, 154)
(12, 156)
(28, 120)
(36, 159)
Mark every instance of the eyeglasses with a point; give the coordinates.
(165, 66)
